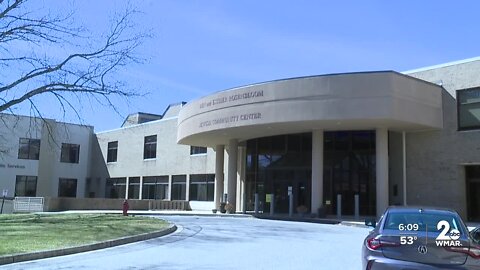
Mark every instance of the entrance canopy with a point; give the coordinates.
(351, 101)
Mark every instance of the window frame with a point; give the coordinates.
(149, 147)
(179, 181)
(459, 127)
(198, 150)
(112, 152)
(155, 185)
(67, 159)
(116, 184)
(29, 144)
(26, 178)
(66, 180)
(198, 180)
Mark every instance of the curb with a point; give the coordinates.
(72, 250)
(200, 215)
(354, 224)
(299, 219)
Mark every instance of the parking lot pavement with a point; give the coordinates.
(226, 243)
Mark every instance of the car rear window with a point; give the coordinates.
(424, 220)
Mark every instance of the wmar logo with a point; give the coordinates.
(447, 237)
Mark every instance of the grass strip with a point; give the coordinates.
(22, 233)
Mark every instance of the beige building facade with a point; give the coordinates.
(354, 143)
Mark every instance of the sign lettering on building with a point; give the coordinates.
(231, 119)
(11, 166)
(231, 98)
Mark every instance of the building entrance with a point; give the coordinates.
(349, 169)
(472, 174)
(275, 163)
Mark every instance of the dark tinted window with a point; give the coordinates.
(115, 188)
(70, 153)
(29, 149)
(202, 187)
(155, 187)
(468, 103)
(26, 186)
(67, 187)
(150, 147)
(179, 187)
(195, 150)
(425, 221)
(112, 151)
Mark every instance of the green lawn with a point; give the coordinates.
(20, 233)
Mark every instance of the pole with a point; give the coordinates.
(290, 204)
(357, 207)
(339, 205)
(256, 203)
(272, 205)
(3, 201)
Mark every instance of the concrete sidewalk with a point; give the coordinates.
(347, 221)
(153, 212)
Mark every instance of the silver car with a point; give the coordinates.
(413, 238)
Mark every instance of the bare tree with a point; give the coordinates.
(89, 69)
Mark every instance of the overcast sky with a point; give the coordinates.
(200, 47)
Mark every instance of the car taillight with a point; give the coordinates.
(374, 243)
(473, 251)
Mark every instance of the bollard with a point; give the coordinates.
(357, 207)
(272, 204)
(290, 205)
(244, 204)
(256, 203)
(339, 206)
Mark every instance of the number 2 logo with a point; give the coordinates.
(446, 234)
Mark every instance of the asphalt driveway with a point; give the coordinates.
(226, 243)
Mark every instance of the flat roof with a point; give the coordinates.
(458, 62)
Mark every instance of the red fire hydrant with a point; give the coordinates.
(125, 207)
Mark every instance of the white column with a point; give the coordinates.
(317, 170)
(219, 177)
(381, 147)
(404, 146)
(127, 183)
(187, 187)
(169, 195)
(242, 158)
(232, 171)
(140, 195)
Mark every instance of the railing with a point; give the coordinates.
(28, 204)
(168, 205)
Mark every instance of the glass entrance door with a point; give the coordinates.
(349, 169)
(473, 189)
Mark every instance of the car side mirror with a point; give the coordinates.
(475, 235)
(371, 222)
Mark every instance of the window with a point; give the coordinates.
(195, 150)
(134, 187)
(155, 187)
(26, 186)
(202, 187)
(29, 149)
(70, 153)
(150, 147)
(179, 187)
(67, 187)
(468, 109)
(112, 151)
(115, 188)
